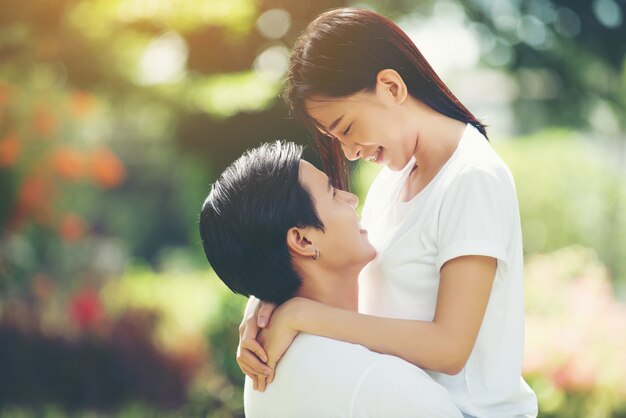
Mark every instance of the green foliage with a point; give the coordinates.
(570, 191)
(575, 337)
(228, 94)
(195, 310)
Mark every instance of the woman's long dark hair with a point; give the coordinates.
(340, 53)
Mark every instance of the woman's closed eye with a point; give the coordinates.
(347, 130)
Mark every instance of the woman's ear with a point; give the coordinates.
(297, 242)
(389, 82)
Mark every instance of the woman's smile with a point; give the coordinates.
(376, 156)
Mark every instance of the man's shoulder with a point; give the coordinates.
(306, 345)
(322, 358)
(317, 376)
(323, 377)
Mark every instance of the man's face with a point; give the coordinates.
(343, 244)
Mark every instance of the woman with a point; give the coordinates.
(446, 290)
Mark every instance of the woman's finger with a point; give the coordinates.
(250, 373)
(253, 362)
(249, 369)
(253, 345)
(270, 378)
(248, 323)
(264, 314)
(246, 368)
(262, 383)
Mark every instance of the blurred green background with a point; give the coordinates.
(116, 116)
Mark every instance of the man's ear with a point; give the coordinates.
(297, 242)
(389, 82)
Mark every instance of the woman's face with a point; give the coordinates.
(343, 243)
(373, 126)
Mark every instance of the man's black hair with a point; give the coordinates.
(245, 219)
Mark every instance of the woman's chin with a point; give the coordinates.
(395, 165)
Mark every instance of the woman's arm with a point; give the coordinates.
(442, 345)
(251, 357)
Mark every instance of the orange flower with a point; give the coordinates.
(82, 104)
(107, 169)
(34, 199)
(9, 150)
(34, 192)
(5, 93)
(72, 228)
(68, 163)
(44, 122)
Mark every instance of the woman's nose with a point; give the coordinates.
(352, 152)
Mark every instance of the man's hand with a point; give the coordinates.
(251, 357)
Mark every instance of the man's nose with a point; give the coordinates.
(352, 199)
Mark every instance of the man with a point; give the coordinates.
(274, 227)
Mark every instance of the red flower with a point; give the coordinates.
(86, 308)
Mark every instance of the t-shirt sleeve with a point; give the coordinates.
(476, 216)
(395, 388)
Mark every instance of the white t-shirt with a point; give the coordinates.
(469, 208)
(320, 377)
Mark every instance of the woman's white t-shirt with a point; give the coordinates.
(469, 208)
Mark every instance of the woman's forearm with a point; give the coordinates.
(425, 344)
(443, 344)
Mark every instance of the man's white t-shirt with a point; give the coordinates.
(469, 208)
(320, 377)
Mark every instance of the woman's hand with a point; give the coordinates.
(251, 357)
(278, 336)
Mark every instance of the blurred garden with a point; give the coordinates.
(117, 115)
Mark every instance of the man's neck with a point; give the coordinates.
(334, 288)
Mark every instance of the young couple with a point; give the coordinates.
(416, 311)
